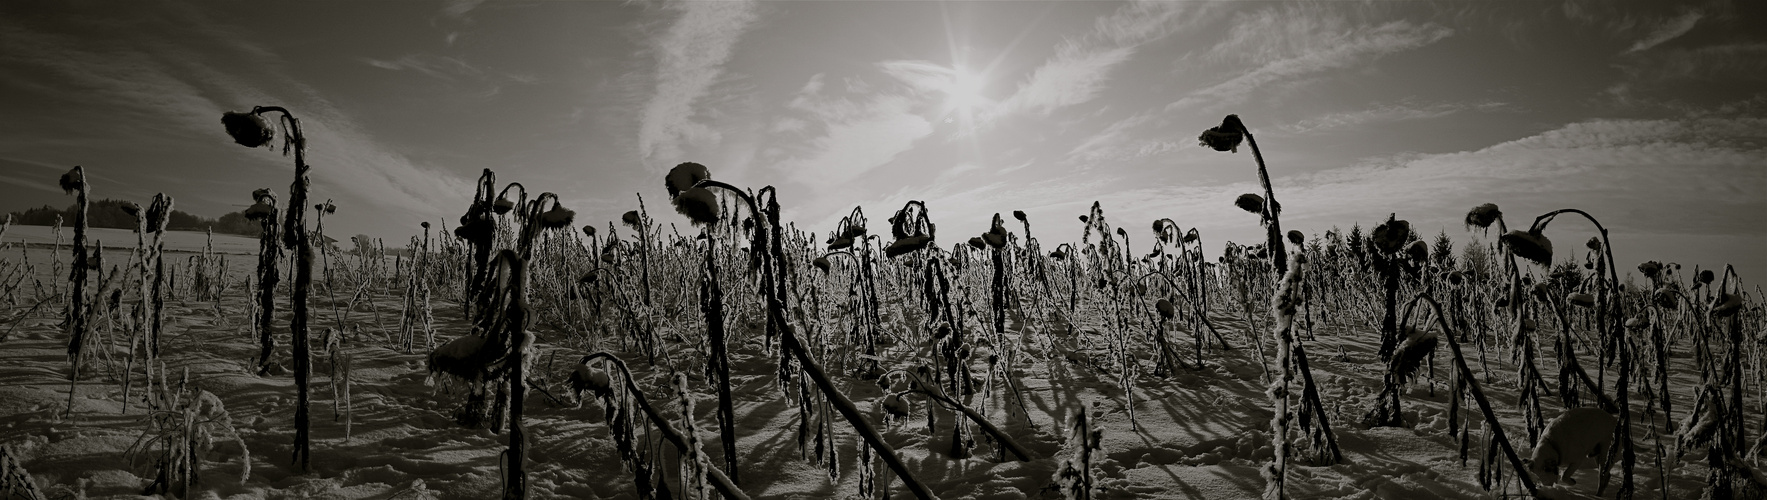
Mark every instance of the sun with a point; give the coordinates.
(964, 91)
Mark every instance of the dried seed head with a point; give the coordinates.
(1726, 304)
(699, 205)
(1418, 251)
(839, 243)
(1594, 243)
(1085, 219)
(1058, 255)
(1225, 137)
(1483, 215)
(631, 218)
(259, 211)
(821, 263)
(73, 180)
(1165, 308)
(906, 245)
(557, 218)
(994, 239)
(976, 242)
(1250, 202)
(589, 230)
(1665, 297)
(684, 176)
(853, 232)
(1390, 237)
(134, 210)
(1650, 269)
(895, 406)
(264, 195)
(1296, 237)
(502, 205)
(1191, 236)
(1019, 214)
(425, 224)
(584, 379)
(1706, 276)
(1531, 245)
(1582, 300)
(247, 129)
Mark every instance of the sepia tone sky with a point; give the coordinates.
(1650, 115)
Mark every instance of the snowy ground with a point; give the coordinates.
(1200, 434)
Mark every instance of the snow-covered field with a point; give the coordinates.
(1197, 433)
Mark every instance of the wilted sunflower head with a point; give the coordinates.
(1726, 304)
(425, 225)
(630, 218)
(1581, 299)
(1418, 251)
(1531, 245)
(840, 244)
(327, 207)
(1665, 297)
(1225, 137)
(698, 204)
(131, 208)
(977, 243)
(1296, 237)
(589, 230)
(248, 129)
(1594, 243)
(1483, 215)
(73, 180)
(1390, 236)
(1019, 214)
(1706, 276)
(1650, 269)
(684, 176)
(258, 211)
(906, 245)
(1165, 308)
(821, 263)
(557, 218)
(502, 205)
(1191, 236)
(1250, 202)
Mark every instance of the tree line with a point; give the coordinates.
(109, 213)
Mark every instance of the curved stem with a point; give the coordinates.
(719, 481)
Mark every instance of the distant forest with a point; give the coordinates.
(109, 213)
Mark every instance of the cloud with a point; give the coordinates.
(1386, 113)
(441, 67)
(1668, 30)
(182, 92)
(859, 137)
(20, 181)
(1118, 144)
(690, 57)
(1292, 45)
(1075, 75)
(1081, 66)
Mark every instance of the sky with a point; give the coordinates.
(1652, 115)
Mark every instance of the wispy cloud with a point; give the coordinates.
(1387, 113)
(183, 92)
(690, 57)
(860, 135)
(1670, 29)
(442, 67)
(29, 183)
(1287, 45)
(1081, 66)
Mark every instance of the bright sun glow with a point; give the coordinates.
(964, 92)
